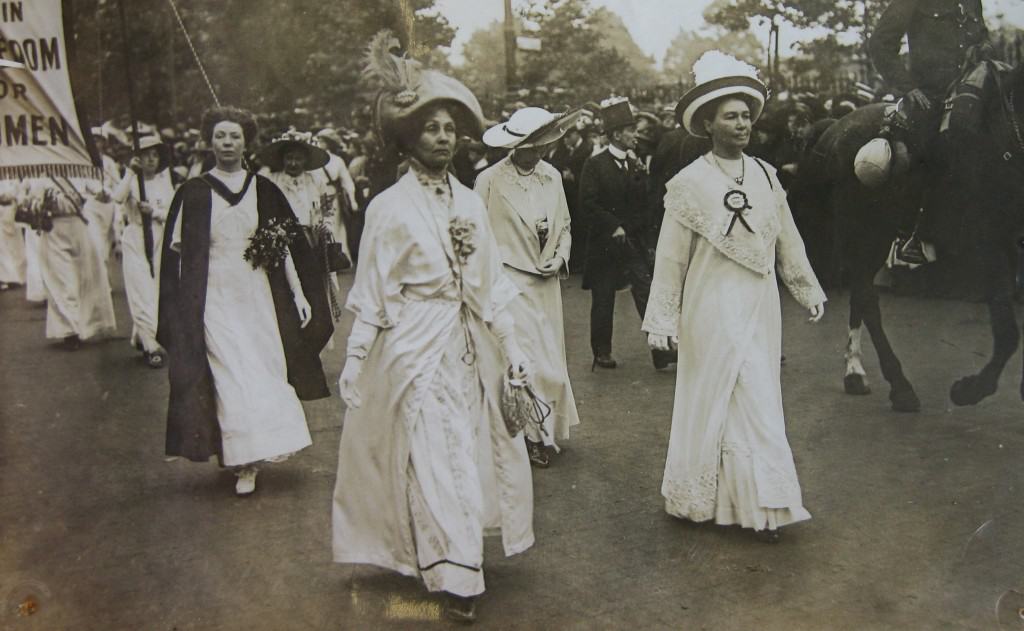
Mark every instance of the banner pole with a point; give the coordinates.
(147, 221)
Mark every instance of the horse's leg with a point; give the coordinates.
(901, 392)
(855, 381)
(998, 269)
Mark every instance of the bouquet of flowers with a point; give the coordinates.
(268, 246)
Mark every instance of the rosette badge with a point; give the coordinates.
(737, 203)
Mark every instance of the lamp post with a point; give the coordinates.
(510, 47)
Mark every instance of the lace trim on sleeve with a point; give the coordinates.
(663, 306)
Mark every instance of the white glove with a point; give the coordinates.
(305, 311)
(662, 342)
(519, 364)
(817, 311)
(347, 382)
(550, 267)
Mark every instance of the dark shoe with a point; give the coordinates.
(769, 535)
(604, 361)
(662, 359)
(71, 343)
(461, 608)
(538, 455)
(156, 359)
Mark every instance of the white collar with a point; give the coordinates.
(617, 153)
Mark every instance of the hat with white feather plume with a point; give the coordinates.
(404, 87)
(718, 74)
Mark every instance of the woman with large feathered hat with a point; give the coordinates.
(426, 464)
(727, 237)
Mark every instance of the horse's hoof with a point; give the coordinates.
(856, 384)
(905, 400)
(971, 390)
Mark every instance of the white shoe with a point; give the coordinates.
(246, 481)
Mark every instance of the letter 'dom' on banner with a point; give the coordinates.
(40, 134)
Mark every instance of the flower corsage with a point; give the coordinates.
(268, 246)
(462, 232)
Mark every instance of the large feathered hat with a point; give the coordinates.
(717, 74)
(404, 87)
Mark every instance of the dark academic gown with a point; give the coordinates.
(192, 428)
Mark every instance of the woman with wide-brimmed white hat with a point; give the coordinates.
(527, 207)
(728, 236)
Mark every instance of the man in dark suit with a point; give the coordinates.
(568, 157)
(614, 205)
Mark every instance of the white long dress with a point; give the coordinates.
(259, 414)
(102, 215)
(140, 282)
(78, 298)
(728, 455)
(426, 466)
(12, 240)
(515, 204)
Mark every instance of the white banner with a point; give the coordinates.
(40, 133)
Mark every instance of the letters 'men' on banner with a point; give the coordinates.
(39, 129)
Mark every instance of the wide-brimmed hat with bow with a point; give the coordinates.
(162, 150)
(273, 154)
(718, 74)
(531, 127)
(405, 87)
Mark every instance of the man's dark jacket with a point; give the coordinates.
(939, 33)
(611, 197)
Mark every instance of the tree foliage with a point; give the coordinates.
(483, 70)
(688, 46)
(265, 55)
(577, 52)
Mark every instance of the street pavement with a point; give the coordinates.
(917, 519)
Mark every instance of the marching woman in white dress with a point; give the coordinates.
(12, 239)
(426, 465)
(141, 264)
(526, 204)
(239, 352)
(78, 302)
(727, 238)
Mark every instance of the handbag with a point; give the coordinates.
(334, 255)
(520, 406)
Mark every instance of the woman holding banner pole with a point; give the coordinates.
(142, 269)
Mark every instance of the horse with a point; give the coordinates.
(990, 175)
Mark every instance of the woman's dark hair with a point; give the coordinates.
(216, 115)
(332, 146)
(408, 130)
(706, 112)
